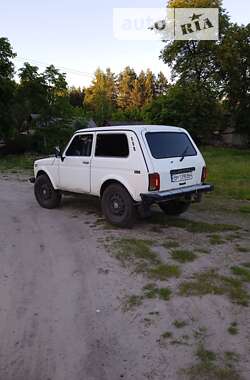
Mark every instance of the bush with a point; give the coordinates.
(187, 107)
(45, 139)
(20, 144)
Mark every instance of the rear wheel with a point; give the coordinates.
(117, 206)
(45, 194)
(175, 207)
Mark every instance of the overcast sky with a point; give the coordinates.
(78, 35)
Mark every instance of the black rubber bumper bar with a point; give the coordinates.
(185, 192)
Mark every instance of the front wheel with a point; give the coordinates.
(117, 206)
(45, 194)
(175, 207)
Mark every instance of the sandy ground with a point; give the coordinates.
(62, 292)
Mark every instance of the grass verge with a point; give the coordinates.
(208, 367)
(183, 255)
(17, 163)
(210, 282)
(190, 225)
(138, 254)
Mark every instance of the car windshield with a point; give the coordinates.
(170, 144)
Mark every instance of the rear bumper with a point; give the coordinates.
(187, 193)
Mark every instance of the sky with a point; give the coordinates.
(77, 35)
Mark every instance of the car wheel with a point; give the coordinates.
(45, 194)
(118, 207)
(175, 207)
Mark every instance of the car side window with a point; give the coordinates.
(80, 146)
(112, 145)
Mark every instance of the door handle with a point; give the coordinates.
(85, 162)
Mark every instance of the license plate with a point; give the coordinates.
(183, 177)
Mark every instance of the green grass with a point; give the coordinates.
(243, 273)
(216, 239)
(130, 302)
(247, 265)
(245, 209)
(170, 244)
(205, 355)
(138, 254)
(17, 163)
(164, 293)
(233, 328)
(210, 282)
(229, 170)
(208, 368)
(183, 256)
(179, 324)
(190, 225)
(232, 236)
(163, 272)
(152, 291)
(129, 250)
(166, 335)
(242, 249)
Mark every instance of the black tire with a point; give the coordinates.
(45, 194)
(175, 207)
(118, 207)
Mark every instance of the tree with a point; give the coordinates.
(125, 85)
(57, 96)
(76, 97)
(183, 106)
(136, 95)
(161, 85)
(7, 88)
(99, 97)
(234, 70)
(31, 95)
(195, 61)
(150, 87)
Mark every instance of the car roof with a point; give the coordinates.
(134, 128)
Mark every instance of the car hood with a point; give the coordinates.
(45, 161)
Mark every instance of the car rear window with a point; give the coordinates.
(112, 145)
(170, 144)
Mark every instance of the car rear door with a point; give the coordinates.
(175, 157)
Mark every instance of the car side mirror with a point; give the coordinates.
(58, 153)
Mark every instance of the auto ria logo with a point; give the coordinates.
(197, 24)
(166, 23)
(189, 24)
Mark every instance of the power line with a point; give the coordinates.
(46, 64)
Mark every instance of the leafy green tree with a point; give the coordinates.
(31, 96)
(76, 97)
(142, 80)
(125, 86)
(136, 95)
(111, 84)
(57, 95)
(183, 106)
(195, 61)
(162, 85)
(7, 88)
(99, 97)
(150, 87)
(234, 71)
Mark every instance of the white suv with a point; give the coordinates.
(128, 167)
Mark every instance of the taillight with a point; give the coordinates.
(204, 174)
(154, 182)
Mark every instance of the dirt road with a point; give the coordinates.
(61, 295)
(59, 316)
